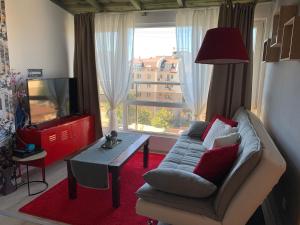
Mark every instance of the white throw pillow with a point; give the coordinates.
(226, 140)
(218, 129)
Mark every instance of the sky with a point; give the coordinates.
(154, 41)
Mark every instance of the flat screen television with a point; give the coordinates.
(51, 99)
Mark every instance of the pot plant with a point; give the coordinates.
(7, 165)
(7, 171)
(14, 118)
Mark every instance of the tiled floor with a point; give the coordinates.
(6, 220)
(10, 204)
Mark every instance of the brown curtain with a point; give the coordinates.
(85, 68)
(231, 85)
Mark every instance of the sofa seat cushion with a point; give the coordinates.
(202, 206)
(185, 138)
(184, 155)
(179, 182)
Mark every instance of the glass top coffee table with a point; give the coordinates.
(113, 159)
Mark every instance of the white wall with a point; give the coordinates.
(263, 11)
(281, 116)
(40, 35)
(160, 18)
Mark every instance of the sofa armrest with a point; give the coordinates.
(196, 129)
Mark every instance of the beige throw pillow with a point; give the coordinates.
(218, 129)
(226, 140)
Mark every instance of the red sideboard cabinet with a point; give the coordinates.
(61, 137)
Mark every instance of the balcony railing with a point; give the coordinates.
(152, 106)
(162, 111)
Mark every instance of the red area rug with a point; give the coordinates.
(94, 207)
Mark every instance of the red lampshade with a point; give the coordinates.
(222, 46)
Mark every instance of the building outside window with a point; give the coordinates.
(162, 110)
(167, 96)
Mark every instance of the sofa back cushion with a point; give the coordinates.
(249, 156)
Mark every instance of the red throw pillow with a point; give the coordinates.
(216, 163)
(230, 122)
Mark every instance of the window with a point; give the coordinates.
(169, 87)
(258, 67)
(162, 108)
(168, 96)
(166, 111)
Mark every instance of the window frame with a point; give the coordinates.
(137, 84)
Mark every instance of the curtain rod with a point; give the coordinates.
(162, 10)
(175, 9)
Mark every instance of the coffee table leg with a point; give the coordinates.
(146, 153)
(72, 184)
(115, 187)
(28, 181)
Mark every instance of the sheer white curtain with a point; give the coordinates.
(191, 26)
(114, 35)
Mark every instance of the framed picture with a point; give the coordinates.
(32, 73)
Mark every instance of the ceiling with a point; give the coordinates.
(83, 6)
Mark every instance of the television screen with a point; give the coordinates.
(50, 99)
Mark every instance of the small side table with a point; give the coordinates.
(28, 160)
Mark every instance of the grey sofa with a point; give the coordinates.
(255, 172)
